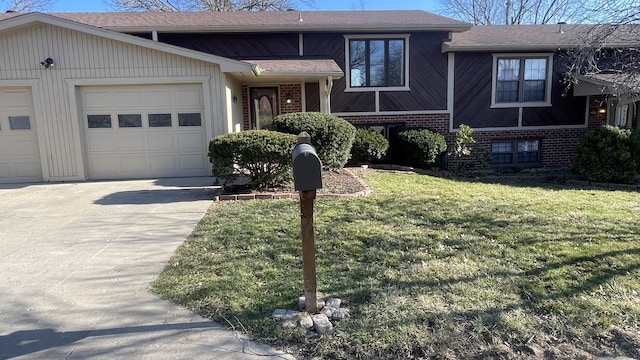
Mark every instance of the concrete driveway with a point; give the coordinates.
(76, 260)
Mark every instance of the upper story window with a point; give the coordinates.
(377, 62)
(521, 80)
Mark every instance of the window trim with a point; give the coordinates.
(347, 58)
(514, 152)
(520, 56)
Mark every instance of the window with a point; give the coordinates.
(189, 119)
(377, 62)
(522, 80)
(521, 152)
(159, 120)
(99, 121)
(129, 120)
(19, 123)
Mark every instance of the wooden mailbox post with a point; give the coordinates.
(307, 178)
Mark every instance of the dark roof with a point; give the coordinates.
(244, 21)
(537, 37)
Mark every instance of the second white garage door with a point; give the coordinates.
(144, 131)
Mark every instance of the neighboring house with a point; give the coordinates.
(138, 95)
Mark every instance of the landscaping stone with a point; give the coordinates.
(333, 302)
(279, 313)
(305, 322)
(321, 323)
(315, 324)
(340, 314)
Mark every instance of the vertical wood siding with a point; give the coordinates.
(83, 56)
(238, 46)
(472, 98)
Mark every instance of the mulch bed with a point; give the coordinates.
(335, 184)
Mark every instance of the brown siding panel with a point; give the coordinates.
(427, 76)
(472, 98)
(353, 102)
(566, 110)
(238, 46)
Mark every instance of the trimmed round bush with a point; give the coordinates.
(417, 147)
(368, 147)
(609, 154)
(330, 135)
(262, 155)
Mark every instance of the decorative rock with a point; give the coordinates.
(305, 322)
(333, 302)
(321, 323)
(289, 323)
(328, 310)
(279, 314)
(293, 313)
(340, 314)
(301, 303)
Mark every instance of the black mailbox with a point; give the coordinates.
(307, 169)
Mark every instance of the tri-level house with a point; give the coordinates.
(138, 95)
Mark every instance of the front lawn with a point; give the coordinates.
(430, 268)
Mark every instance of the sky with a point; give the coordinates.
(428, 5)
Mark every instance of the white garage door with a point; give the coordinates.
(19, 154)
(144, 131)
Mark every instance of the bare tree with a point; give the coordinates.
(25, 5)
(205, 5)
(497, 12)
(610, 47)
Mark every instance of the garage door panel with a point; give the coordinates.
(105, 143)
(163, 162)
(15, 98)
(188, 98)
(127, 98)
(190, 141)
(26, 169)
(161, 142)
(132, 142)
(24, 147)
(147, 150)
(192, 162)
(162, 99)
(97, 99)
(132, 163)
(19, 150)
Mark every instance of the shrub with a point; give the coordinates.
(462, 150)
(609, 154)
(368, 146)
(330, 135)
(262, 155)
(416, 147)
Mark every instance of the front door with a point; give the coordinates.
(264, 107)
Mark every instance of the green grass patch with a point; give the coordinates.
(429, 267)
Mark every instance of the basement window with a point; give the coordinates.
(518, 152)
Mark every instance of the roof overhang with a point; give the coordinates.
(288, 28)
(446, 47)
(304, 70)
(226, 64)
(606, 84)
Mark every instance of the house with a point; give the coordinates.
(138, 95)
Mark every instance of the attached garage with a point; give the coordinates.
(19, 154)
(144, 131)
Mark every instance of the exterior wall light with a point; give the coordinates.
(47, 63)
(289, 99)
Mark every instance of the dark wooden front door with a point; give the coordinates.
(264, 107)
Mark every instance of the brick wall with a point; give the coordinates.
(557, 146)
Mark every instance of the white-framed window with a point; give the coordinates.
(515, 152)
(521, 80)
(377, 62)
